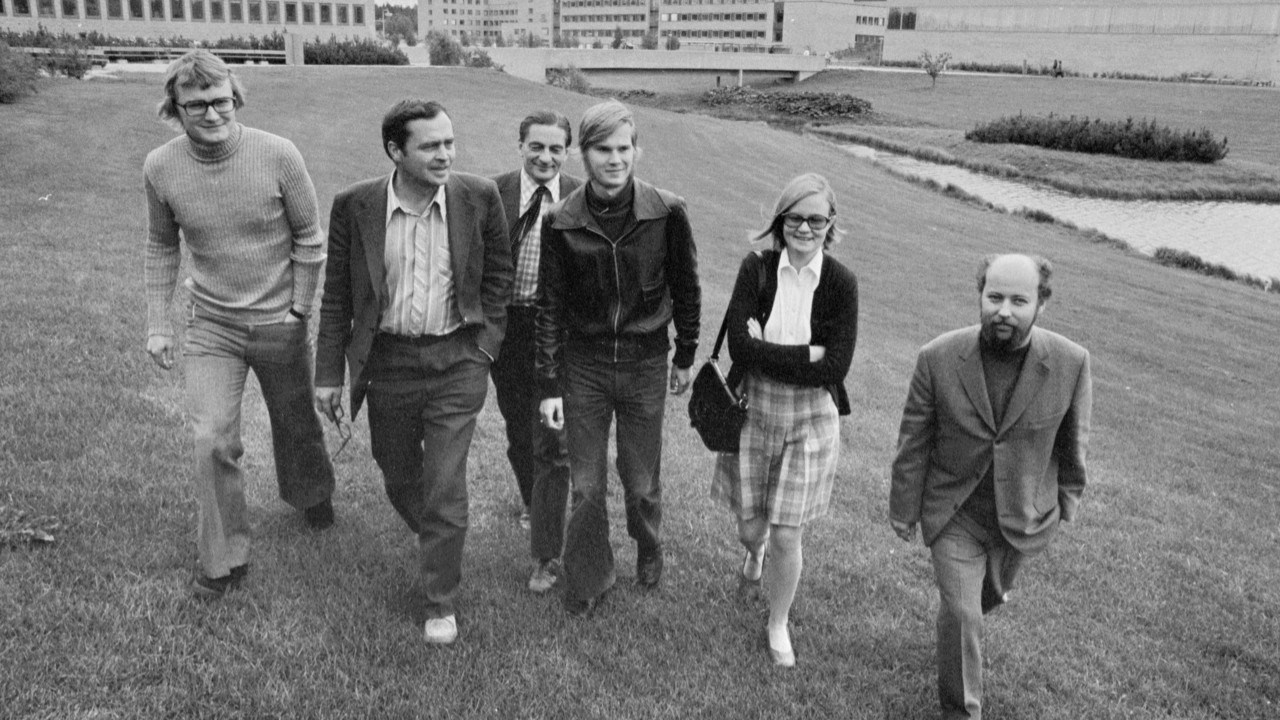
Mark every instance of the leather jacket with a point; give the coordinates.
(613, 300)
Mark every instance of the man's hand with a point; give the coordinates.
(680, 379)
(329, 402)
(160, 348)
(552, 412)
(906, 531)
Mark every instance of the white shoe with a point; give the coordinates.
(441, 631)
(544, 576)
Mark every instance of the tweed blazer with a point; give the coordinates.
(948, 438)
(355, 288)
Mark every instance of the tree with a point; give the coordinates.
(398, 27)
(649, 41)
(444, 50)
(500, 41)
(934, 65)
(617, 37)
(673, 42)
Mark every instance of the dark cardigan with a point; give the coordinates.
(833, 324)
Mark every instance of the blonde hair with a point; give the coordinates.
(798, 189)
(196, 69)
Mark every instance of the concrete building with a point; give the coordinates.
(1203, 38)
(797, 26)
(204, 20)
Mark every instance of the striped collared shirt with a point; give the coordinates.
(410, 237)
(789, 321)
(525, 290)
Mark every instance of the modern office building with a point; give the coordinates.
(815, 26)
(204, 20)
(1169, 38)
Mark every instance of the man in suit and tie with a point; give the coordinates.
(991, 455)
(537, 453)
(415, 298)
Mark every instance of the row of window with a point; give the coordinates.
(603, 18)
(604, 3)
(869, 20)
(758, 34)
(196, 10)
(709, 17)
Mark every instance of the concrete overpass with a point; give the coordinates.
(643, 69)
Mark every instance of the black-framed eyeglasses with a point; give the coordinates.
(817, 223)
(198, 108)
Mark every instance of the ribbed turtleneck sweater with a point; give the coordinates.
(247, 213)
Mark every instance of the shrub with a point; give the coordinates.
(444, 50)
(361, 51)
(813, 105)
(1141, 140)
(477, 58)
(568, 78)
(18, 74)
(68, 61)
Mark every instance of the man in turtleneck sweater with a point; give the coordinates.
(618, 265)
(241, 201)
(991, 455)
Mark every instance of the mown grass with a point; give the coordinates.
(1161, 602)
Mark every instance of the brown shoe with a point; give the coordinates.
(208, 588)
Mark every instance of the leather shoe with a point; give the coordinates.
(581, 608)
(544, 576)
(753, 567)
(649, 569)
(320, 515)
(209, 588)
(441, 631)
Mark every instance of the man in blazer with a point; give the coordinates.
(538, 455)
(991, 455)
(415, 298)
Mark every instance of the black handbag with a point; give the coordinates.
(716, 411)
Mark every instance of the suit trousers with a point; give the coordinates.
(424, 395)
(597, 389)
(539, 456)
(219, 355)
(967, 557)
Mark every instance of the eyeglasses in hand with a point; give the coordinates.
(198, 108)
(344, 432)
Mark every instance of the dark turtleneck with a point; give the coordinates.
(615, 214)
(1000, 369)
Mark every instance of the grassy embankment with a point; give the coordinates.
(912, 118)
(1160, 602)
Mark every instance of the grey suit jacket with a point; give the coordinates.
(355, 288)
(948, 438)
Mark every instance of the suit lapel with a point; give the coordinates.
(460, 213)
(1034, 370)
(510, 192)
(373, 231)
(975, 383)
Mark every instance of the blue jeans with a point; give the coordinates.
(597, 390)
(219, 355)
(965, 555)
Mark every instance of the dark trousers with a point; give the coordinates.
(424, 395)
(596, 391)
(539, 456)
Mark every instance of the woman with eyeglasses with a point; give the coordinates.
(792, 324)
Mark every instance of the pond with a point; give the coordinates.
(1242, 236)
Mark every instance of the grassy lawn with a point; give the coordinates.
(1161, 602)
(911, 117)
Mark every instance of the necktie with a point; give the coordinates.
(422, 252)
(529, 217)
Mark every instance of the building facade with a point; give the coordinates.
(815, 26)
(1199, 38)
(203, 20)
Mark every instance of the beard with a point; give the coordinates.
(993, 341)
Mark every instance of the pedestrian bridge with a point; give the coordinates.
(727, 67)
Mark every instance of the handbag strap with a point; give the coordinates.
(724, 324)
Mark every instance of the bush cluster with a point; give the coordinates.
(444, 50)
(362, 51)
(18, 74)
(1188, 261)
(568, 78)
(812, 105)
(274, 41)
(1143, 139)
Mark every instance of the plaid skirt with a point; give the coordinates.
(785, 466)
